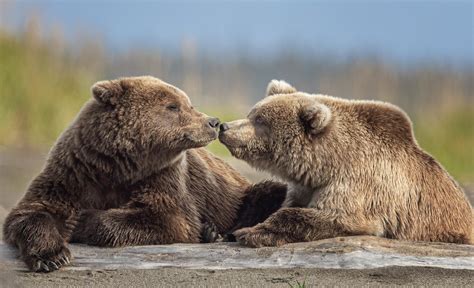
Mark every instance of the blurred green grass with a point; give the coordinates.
(450, 139)
(41, 91)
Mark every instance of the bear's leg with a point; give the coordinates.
(260, 201)
(290, 225)
(40, 236)
(135, 226)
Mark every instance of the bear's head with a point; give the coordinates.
(283, 126)
(144, 115)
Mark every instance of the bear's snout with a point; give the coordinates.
(224, 127)
(214, 122)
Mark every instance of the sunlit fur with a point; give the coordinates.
(353, 167)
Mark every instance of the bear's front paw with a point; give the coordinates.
(210, 233)
(48, 261)
(259, 236)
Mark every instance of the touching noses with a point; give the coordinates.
(224, 127)
(214, 122)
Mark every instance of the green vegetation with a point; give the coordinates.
(43, 87)
(450, 139)
(39, 93)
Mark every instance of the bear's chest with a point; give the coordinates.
(105, 198)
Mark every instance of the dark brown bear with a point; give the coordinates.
(125, 173)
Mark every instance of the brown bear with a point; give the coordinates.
(129, 171)
(353, 168)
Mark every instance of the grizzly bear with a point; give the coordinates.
(129, 170)
(353, 168)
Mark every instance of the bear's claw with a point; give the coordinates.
(209, 233)
(49, 263)
(259, 236)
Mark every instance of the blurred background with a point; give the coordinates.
(416, 54)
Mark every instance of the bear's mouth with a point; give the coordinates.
(201, 140)
(230, 143)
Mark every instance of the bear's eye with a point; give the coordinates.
(172, 107)
(259, 120)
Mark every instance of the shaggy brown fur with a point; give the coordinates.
(353, 167)
(124, 173)
(260, 201)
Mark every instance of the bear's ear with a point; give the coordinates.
(279, 87)
(107, 92)
(315, 118)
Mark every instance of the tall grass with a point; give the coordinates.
(450, 139)
(39, 92)
(43, 84)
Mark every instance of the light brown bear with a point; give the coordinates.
(125, 173)
(353, 168)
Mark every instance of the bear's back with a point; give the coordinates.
(411, 182)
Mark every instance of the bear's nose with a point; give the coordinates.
(214, 122)
(224, 127)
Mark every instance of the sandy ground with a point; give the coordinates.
(178, 277)
(17, 169)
